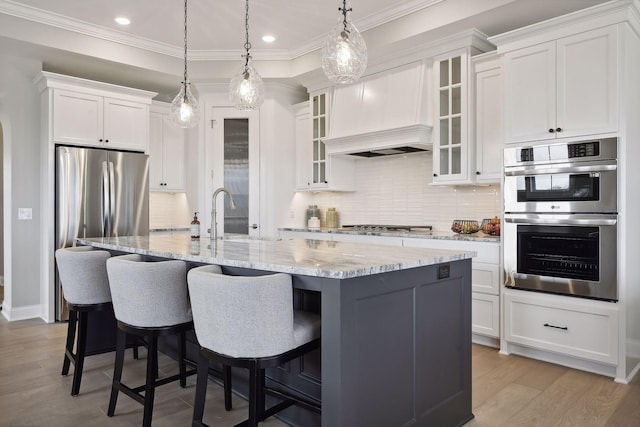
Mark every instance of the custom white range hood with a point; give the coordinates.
(383, 114)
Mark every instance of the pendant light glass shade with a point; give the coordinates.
(246, 90)
(344, 54)
(184, 108)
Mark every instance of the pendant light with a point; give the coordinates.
(246, 90)
(344, 54)
(184, 107)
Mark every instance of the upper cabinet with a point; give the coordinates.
(451, 142)
(167, 160)
(315, 170)
(454, 137)
(94, 114)
(562, 88)
(488, 118)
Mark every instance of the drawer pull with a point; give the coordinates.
(564, 328)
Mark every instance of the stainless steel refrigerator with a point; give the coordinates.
(99, 193)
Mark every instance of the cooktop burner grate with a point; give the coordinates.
(386, 227)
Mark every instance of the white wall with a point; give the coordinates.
(397, 190)
(20, 117)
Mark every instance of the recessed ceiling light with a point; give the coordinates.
(268, 38)
(122, 20)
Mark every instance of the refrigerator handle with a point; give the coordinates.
(112, 198)
(105, 199)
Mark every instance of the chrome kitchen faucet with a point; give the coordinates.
(214, 228)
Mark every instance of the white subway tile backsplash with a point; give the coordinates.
(397, 190)
(169, 210)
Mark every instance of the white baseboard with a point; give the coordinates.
(564, 360)
(21, 313)
(486, 341)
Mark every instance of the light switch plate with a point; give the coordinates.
(25, 213)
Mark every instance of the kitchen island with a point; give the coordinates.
(396, 323)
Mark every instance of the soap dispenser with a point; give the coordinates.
(195, 227)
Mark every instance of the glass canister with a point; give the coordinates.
(331, 219)
(311, 212)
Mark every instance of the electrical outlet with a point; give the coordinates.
(25, 213)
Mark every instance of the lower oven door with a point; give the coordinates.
(564, 254)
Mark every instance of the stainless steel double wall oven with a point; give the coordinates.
(561, 216)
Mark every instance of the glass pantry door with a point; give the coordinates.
(233, 159)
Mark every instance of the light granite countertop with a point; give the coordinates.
(475, 237)
(339, 260)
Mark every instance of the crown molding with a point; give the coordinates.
(11, 8)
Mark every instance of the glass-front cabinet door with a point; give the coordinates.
(319, 122)
(315, 169)
(451, 146)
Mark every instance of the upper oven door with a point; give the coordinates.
(581, 187)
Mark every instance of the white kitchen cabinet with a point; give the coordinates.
(488, 118)
(485, 286)
(563, 325)
(363, 238)
(309, 235)
(167, 160)
(453, 155)
(88, 119)
(485, 314)
(315, 170)
(562, 88)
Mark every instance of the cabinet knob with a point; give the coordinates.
(558, 129)
(551, 130)
(435, 174)
(477, 172)
(106, 140)
(100, 140)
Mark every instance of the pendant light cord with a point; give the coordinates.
(185, 44)
(247, 44)
(344, 11)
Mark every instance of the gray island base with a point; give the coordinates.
(396, 324)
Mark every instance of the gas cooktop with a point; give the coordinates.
(387, 227)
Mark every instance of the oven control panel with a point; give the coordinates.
(600, 149)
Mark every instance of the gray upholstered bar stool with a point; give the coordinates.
(83, 276)
(249, 322)
(150, 299)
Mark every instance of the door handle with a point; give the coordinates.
(105, 198)
(112, 198)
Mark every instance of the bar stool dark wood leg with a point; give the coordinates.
(253, 395)
(117, 371)
(226, 377)
(150, 387)
(71, 335)
(182, 350)
(201, 390)
(80, 352)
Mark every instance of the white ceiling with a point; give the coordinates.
(80, 37)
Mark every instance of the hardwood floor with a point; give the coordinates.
(507, 390)
(517, 391)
